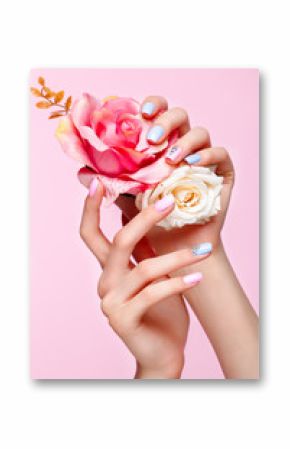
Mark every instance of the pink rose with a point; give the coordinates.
(110, 140)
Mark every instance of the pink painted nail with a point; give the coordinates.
(173, 153)
(93, 187)
(192, 279)
(164, 203)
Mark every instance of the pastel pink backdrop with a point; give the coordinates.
(70, 338)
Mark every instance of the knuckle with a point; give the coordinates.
(105, 307)
(182, 112)
(121, 240)
(203, 133)
(108, 305)
(84, 232)
(224, 153)
(118, 321)
(232, 176)
(103, 286)
(113, 321)
(208, 157)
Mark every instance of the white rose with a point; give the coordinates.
(196, 191)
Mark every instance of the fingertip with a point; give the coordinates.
(165, 203)
(192, 279)
(148, 109)
(93, 187)
(96, 192)
(156, 134)
(152, 106)
(202, 249)
(193, 159)
(172, 156)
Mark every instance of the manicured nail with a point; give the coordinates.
(203, 248)
(164, 203)
(93, 187)
(192, 279)
(192, 158)
(173, 153)
(155, 133)
(148, 108)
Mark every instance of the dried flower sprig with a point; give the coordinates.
(51, 99)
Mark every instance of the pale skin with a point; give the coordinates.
(142, 303)
(218, 300)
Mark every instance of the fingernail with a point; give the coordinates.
(202, 248)
(173, 153)
(192, 158)
(155, 133)
(148, 108)
(93, 187)
(164, 203)
(192, 279)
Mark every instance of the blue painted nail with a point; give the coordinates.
(192, 158)
(202, 249)
(148, 108)
(155, 133)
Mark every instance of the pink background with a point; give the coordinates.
(70, 339)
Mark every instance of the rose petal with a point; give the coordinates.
(143, 143)
(128, 129)
(70, 141)
(153, 173)
(122, 104)
(113, 186)
(88, 133)
(185, 179)
(82, 110)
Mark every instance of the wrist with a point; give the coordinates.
(172, 371)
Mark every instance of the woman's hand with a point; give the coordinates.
(142, 303)
(219, 302)
(193, 146)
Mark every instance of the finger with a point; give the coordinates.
(128, 237)
(196, 139)
(214, 156)
(90, 224)
(142, 250)
(155, 293)
(152, 106)
(174, 119)
(152, 269)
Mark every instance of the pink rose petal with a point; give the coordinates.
(153, 173)
(82, 110)
(87, 133)
(70, 141)
(111, 139)
(122, 104)
(113, 186)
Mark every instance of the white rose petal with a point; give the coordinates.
(196, 191)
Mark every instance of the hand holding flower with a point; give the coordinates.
(177, 182)
(193, 150)
(109, 138)
(142, 303)
(114, 142)
(196, 191)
